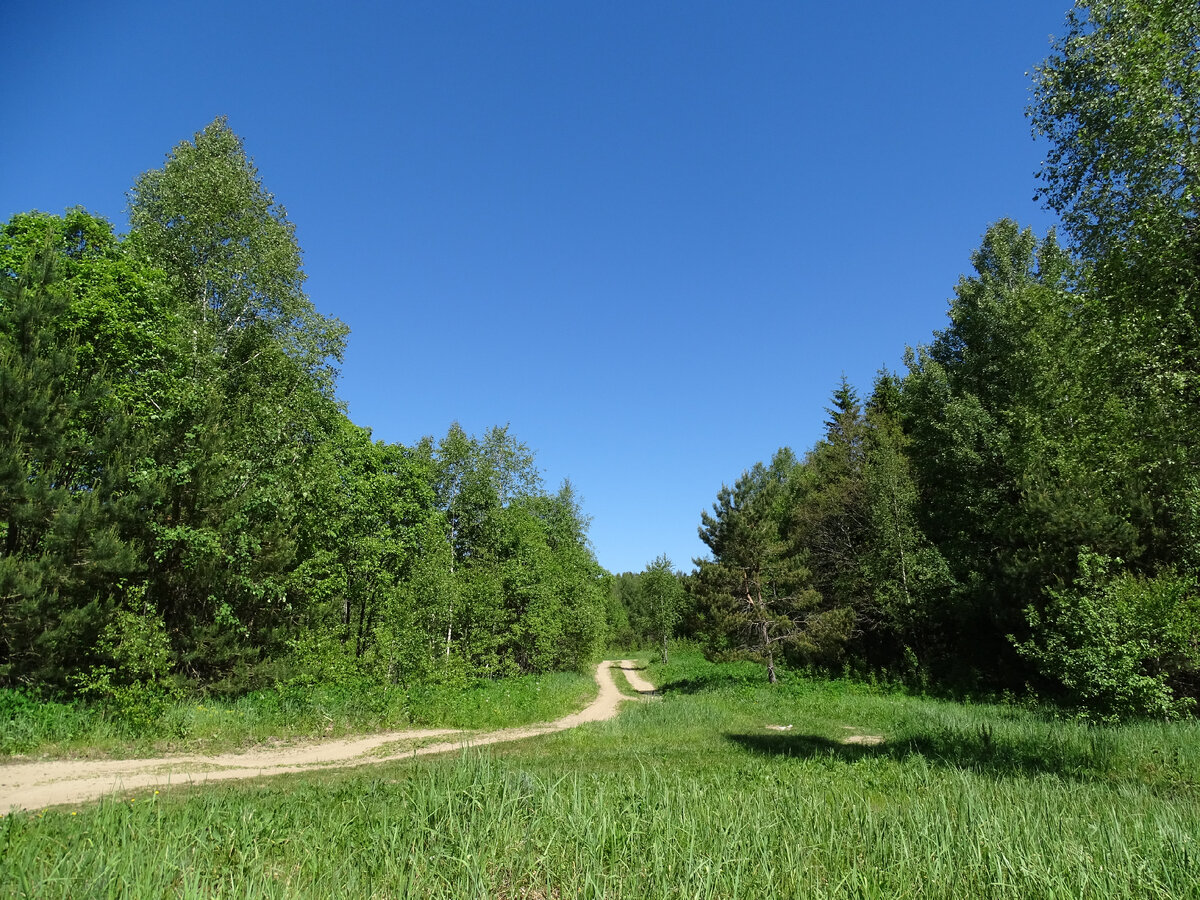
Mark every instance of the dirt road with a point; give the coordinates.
(33, 785)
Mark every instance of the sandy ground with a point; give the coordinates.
(633, 674)
(33, 785)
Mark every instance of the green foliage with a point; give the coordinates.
(630, 615)
(132, 683)
(908, 579)
(65, 447)
(829, 507)
(231, 254)
(663, 596)
(242, 419)
(1018, 450)
(114, 308)
(168, 419)
(758, 592)
(1122, 645)
(854, 517)
(839, 539)
(368, 532)
(1119, 101)
(523, 592)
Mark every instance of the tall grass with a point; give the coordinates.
(690, 795)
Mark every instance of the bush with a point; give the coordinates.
(1122, 645)
(133, 685)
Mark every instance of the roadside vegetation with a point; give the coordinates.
(29, 727)
(689, 794)
(187, 511)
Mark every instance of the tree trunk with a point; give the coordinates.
(766, 639)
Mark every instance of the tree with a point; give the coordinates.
(619, 609)
(1018, 448)
(250, 403)
(828, 515)
(113, 303)
(475, 479)
(231, 253)
(521, 591)
(762, 588)
(1120, 644)
(908, 577)
(181, 493)
(370, 533)
(663, 594)
(1119, 101)
(65, 488)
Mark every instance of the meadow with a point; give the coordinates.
(702, 792)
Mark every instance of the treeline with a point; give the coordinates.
(1022, 505)
(183, 499)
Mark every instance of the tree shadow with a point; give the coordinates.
(694, 685)
(700, 683)
(978, 750)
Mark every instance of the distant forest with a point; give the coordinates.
(184, 503)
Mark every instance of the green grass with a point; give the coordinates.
(28, 727)
(687, 795)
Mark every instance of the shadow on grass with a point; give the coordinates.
(979, 751)
(695, 685)
(715, 681)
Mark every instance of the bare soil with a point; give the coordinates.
(34, 785)
(633, 675)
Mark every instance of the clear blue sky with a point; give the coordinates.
(650, 236)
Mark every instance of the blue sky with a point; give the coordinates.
(649, 236)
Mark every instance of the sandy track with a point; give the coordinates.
(634, 677)
(33, 785)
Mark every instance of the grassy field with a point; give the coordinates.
(690, 795)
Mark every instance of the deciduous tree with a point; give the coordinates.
(663, 595)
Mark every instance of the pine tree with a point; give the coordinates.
(63, 485)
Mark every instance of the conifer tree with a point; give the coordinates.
(63, 480)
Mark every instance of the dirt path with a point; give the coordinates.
(634, 677)
(33, 785)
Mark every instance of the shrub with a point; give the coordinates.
(133, 683)
(1121, 644)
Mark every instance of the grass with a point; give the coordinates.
(287, 714)
(687, 795)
